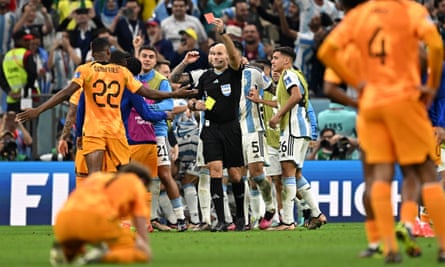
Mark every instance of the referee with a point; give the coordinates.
(219, 96)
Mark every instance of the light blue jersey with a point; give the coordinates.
(251, 119)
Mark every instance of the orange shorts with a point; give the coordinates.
(87, 226)
(146, 154)
(116, 149)
(400, 132)
(80, 164)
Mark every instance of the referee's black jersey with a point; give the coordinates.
(225, 89)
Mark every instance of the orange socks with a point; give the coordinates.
(381, 204)
(408, 213)
(434, 201)
(372, 232)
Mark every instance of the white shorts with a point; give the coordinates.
(293, 149)
(163, 151)
(254, 148)
(274, 167)
(187, 167)
(441, 166)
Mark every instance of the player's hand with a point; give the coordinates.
(138, 41)
(219, 25)
(439, 133)
(273, 123)
(191, 57)
(28, 114)
(79, 144)
(427, 95)
(170, 115)
(253, 95)
(184, 92)
(62, 147)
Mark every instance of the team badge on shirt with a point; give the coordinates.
(226, 89)
(77, 75)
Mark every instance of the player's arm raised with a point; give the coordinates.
(56, 99)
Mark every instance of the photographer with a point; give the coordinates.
(8, 148)
(332, 146)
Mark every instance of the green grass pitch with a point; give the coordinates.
(333, 245)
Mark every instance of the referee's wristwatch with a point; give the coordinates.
(223, 31)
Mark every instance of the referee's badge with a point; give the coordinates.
(226, 89)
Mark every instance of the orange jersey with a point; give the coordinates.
(387, 35)
(351, 56)
(109, 195)
(74, 98)
(104, 85)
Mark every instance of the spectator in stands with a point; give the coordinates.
(19, 134)
(65, 9)
(216, 7)
(332, 146)
(189, 37)
(8, 148)
(235, 33)
(157, 39)
(41, 59)
(62, 60)
(292, 17)
(7, 22)
(253, 47)
(84, 31)
(108, 12)
(19, 69)
(164, 9)
(129, 25)
(35, 17)
(180, 20)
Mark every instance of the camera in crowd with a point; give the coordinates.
(127, 12)
(9, 147)
(341, 148)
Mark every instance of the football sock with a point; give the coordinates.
(434, 201)
(191, 198)
(246, 200)
(265, 189)
(408, 213)
(238, 194)
(205, 201)
(381, 204)
(216, 191)
(155, 188)
(372, 232)
(178, 208)
(304, 189)
(227, 214)
(255, 203)
(166, 207)
(287, 197)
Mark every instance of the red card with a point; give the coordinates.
(210, 18)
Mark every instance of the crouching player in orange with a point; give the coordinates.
(87, 227)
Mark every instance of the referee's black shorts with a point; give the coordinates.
(223, 141)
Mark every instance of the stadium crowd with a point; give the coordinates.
(227, 155)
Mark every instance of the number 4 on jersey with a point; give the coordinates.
(376, 45)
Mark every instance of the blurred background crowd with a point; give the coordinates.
(42, 42)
